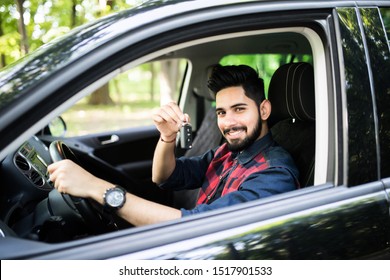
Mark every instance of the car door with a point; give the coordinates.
(346, 217)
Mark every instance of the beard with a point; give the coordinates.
(240, 145)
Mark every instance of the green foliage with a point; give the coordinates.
(386, 20)
(46, 20)
(265, 64)
(9, 45)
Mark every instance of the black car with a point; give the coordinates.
(326, 66)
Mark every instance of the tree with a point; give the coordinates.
(168, 80)
(9, 35)
(102, 95)
(24, 46)
(2, 54)
(73, 17)
(25, 25)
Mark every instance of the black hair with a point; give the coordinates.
(237, 75)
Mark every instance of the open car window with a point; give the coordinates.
(128, 99)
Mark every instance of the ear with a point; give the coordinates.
(265, 109)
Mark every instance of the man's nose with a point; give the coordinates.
(229, 120)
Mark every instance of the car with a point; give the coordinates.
(326, 67)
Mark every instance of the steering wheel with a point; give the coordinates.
(94, 219)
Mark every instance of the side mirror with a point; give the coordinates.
(57, 127)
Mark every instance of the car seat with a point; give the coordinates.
(292, 119)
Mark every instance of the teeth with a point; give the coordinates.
(234, 130)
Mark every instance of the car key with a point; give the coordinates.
(186, 136)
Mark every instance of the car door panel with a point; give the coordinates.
(362, 153)
(331, 223)
(123, 149)
(379, 58)
(339, 226)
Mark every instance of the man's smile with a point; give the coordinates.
(234, 132)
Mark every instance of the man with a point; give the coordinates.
(250, 165)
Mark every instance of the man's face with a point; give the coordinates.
(238, 118)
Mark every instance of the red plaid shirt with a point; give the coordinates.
(227, 178)
(231, 175)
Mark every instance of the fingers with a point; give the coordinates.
(169, 119)
(72, 179)
(170, 113)
(59, 174)
(187, 118)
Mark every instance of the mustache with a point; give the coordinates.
(227, 130)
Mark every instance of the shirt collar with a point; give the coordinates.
(253, 150)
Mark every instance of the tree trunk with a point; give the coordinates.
(168, 80)
(22, 28)
(153, 76)
(2, 61)
(101, 96)
(73, 14)
(2, 55)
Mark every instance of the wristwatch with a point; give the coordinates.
(114, 198)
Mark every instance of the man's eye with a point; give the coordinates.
(220, 113)
(238, 109)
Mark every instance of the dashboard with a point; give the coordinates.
(31, 208)
(24, 185)
(31, 163)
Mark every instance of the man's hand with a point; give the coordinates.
(70, 178)
(168, 120)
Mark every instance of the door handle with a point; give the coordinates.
(109, 140)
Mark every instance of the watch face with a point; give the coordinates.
(115, 198)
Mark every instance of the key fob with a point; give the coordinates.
(186, 136)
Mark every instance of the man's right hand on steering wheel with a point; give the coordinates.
(70, 178)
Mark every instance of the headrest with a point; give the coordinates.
(291, 93)
(202, 90)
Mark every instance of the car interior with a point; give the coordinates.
(31, 209)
